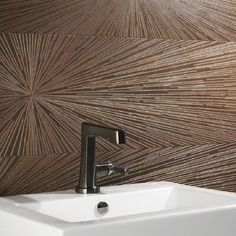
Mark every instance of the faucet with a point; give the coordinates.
(89, 169)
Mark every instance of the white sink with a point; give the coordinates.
(149, 209)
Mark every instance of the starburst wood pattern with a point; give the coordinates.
(200, 165)
(166, 19)
(163, 70)
(176, 99)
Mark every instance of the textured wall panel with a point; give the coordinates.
(176, 99)
(211, 166)
(165, 93)
(175, 95)
(27, 174)
(167, 19)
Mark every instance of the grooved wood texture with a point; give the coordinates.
(167, 19)
(163, 70)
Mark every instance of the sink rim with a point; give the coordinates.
(7, 205)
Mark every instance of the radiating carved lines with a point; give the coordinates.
(210, 166)
(172, 19)
(165, 93)
(28, 125)
(182, 92)
(176, 99)
(27, 174)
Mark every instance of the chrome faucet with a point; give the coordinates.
(89, 169)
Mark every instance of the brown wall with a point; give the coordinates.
(162, 69)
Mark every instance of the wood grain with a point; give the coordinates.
(29, 174)
(164, 19)
(163, 70)
(175, 98)
(165, 93)
(210, 166)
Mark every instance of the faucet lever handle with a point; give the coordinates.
(109, 168)
(119, 169)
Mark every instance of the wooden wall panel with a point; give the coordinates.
(211, 166)
(176, 99)
(166, 19)
(163, 70)
(28, 174)
(182, 92)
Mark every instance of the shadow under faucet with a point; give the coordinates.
(89, 169)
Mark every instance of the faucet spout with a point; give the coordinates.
(88, 165)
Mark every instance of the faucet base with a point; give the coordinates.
(94, 189)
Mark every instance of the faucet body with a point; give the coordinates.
(88, 166)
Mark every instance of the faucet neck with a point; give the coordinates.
(88, 165)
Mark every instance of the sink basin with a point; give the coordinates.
(156, 208)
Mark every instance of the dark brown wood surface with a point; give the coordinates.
(166, 19)
(163, 70)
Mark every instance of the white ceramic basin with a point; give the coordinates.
(150, 209)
